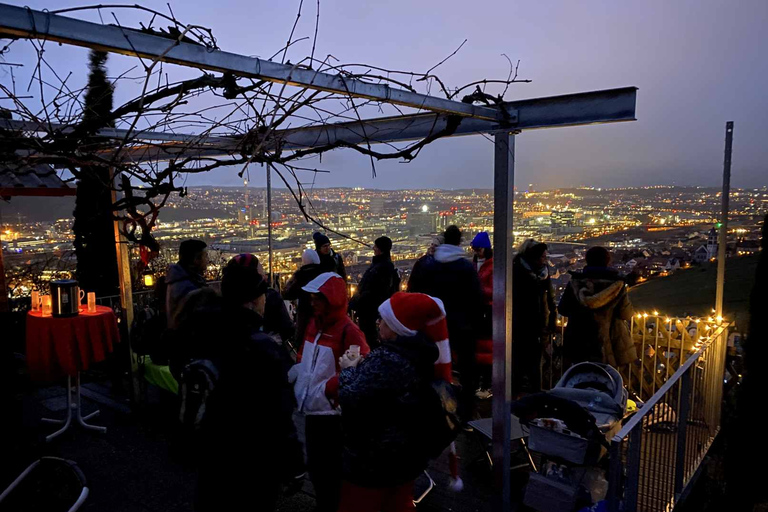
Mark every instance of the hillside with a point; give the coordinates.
(692, 291)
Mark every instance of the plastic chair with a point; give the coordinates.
(49, 484)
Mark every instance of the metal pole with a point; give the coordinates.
(4, 302)
(269, 220)
(126, 295)
(504, 181)
(723, 235)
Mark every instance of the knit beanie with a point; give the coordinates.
(241, 281)
(481, 241)
(320, 239)
(309, 257)
(410, 313)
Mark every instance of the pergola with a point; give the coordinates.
(502, 122)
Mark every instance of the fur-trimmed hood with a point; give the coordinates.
(596, 293)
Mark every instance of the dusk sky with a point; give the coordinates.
(697, 64)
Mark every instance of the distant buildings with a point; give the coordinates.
(421, 223)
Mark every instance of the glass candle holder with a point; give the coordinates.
(36, 300)
(47, 308)
(91, 302)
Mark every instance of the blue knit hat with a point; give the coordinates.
(481, 240)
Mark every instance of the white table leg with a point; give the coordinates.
(68, 421)
(81, 419)
(76, 407)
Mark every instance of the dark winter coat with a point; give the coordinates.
(293, 291)
(276, 317)
(597, 307)
(248, 415)
(453, 279)
(379, 282)
(533, 303)
(421, 274)
(333, 262)
(179, 283)
(388, 403)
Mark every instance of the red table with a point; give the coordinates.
(59, 347)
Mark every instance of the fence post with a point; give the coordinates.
(633, 469)
(615, 477)
(682, 427)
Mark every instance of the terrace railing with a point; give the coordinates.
(657, 453)
(678, 382)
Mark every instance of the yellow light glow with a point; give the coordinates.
(655, 313)
(645, 315)
(149, 280)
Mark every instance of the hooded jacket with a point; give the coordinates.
(453, 279)
(597, 307)
(315, 375)
(388, 402)
(179, 282)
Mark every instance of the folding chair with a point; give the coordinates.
(484, 429)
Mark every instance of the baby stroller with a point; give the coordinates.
(571, 427)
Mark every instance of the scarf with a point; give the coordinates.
(539, 275)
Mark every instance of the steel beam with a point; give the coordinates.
(117, 133)
(503, 238)
(29, 23)
(608, 106)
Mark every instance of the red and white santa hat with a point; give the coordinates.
(410, 313)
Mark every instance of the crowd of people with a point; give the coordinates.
(366, 391)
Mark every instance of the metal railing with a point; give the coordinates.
(656, 454)
(662, 343)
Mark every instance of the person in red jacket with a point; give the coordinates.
(329, 334)
(483, 261)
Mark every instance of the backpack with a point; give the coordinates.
(197, 382)
(147, 330)
(442, 418)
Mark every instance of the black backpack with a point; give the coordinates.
(148, 327)
(441, 418)
(197, 381)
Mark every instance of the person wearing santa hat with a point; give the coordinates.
(391, 412)
(316, 381)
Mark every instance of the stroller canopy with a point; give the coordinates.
(598, 388)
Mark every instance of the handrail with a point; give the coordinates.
(650, 404)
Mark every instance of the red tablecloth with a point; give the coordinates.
(64, 346)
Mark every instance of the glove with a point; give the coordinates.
(345, 361)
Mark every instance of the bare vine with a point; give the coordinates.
(171, 129)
